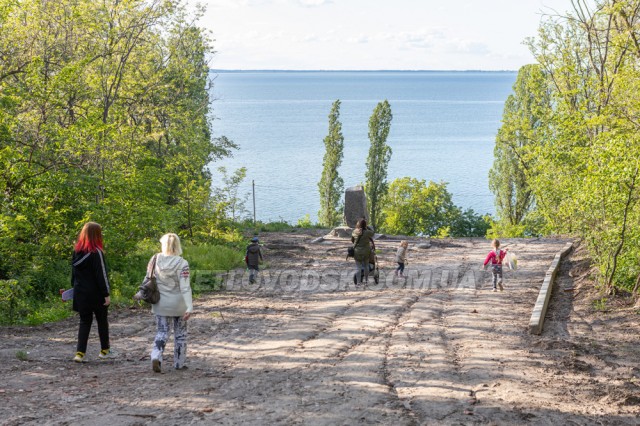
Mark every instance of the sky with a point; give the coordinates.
(374, 34)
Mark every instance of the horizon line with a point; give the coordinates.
(346, 70)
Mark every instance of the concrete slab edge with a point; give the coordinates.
(542, 303)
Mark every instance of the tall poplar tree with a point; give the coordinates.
(523, 123)
(379, 155)
(331, 184)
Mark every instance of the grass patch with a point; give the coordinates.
(279, 226)
(49, 312)
(212, 257)
(207, 262)
(600, 305)
(22, 355)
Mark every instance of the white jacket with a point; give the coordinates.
(401, 254)
(172, 277)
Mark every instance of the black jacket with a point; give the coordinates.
(89, 280)
(254, 254)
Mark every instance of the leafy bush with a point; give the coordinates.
(51, 310)
(305, 222)
(12, 300)
(413, 207)
(20, 304)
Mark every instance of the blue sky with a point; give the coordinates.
(374, 34)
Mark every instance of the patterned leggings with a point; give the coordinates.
(179, 336)
(497, 274)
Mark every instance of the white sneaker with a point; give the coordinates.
(106, 354)
(494, 289)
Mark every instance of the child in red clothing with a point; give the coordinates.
(496, 256)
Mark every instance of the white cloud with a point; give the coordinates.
(468, 46)
(236, 4)
(370, 34)
(313, 3)
(359, 39)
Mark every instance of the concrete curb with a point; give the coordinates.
(540, 308)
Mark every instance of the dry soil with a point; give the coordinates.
(305, 346)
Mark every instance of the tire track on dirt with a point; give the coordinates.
(409, 413)
(319, 329)
(423, 376)
(324, 362)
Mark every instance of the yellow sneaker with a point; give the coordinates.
(79, 357)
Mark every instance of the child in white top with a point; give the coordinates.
(401, 257)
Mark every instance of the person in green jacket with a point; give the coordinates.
(361, 239)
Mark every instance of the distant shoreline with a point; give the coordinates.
(359, 71)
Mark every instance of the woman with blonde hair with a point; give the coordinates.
(175, 304)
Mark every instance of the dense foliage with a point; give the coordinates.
(331, 184)
(522, 124)
(378, 160)
(413, 207)
(583, 165)
(104, 116)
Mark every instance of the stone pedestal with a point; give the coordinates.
(355, 206)
(341, 232)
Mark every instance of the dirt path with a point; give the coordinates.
(309, 348)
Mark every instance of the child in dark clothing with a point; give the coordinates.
(253, 258)
(496, 256)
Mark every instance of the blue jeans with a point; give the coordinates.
(362, 265)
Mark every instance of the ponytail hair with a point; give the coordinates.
(171, 245)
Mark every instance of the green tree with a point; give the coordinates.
(331, 185)
(468, 223)
(523, 123)
(378, 160)
(584, 173)
(230, 202)
(104, 116)
(413, 207)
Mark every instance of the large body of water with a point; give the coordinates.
(443, 129)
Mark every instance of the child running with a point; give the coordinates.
(401, 258)
(496, 256)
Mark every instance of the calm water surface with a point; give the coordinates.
(443, 129)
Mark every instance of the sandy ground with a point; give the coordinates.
(305, 346)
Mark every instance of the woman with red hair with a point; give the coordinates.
(90, 289)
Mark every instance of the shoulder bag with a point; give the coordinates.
(148, 291)
(351, 251)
